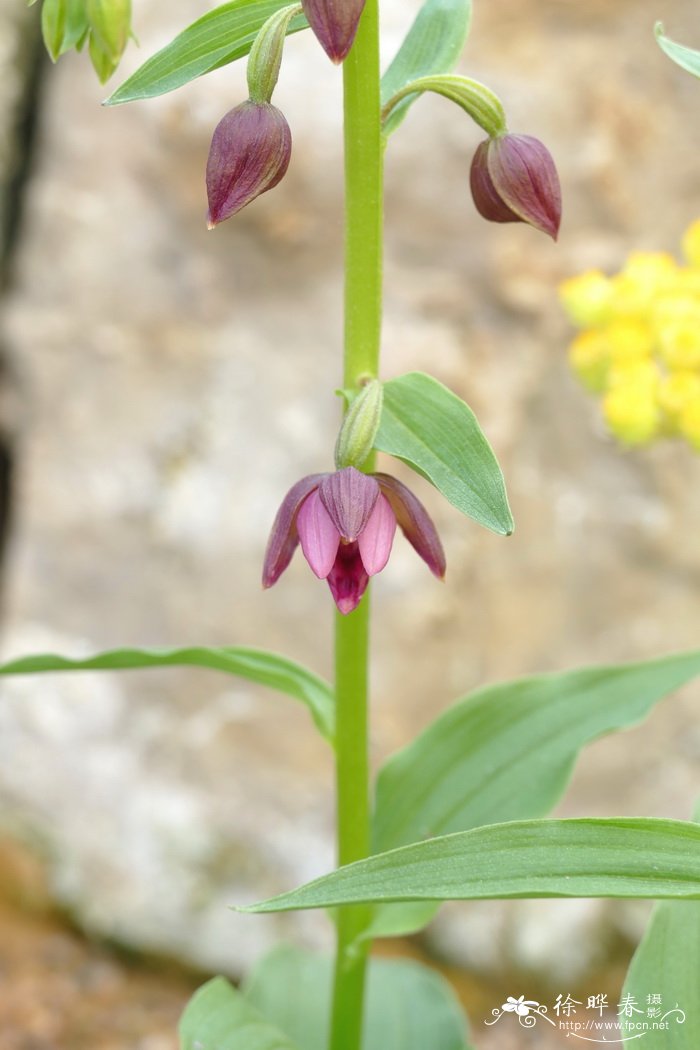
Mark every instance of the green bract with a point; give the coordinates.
(436, 433)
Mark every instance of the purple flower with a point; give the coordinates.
(249, 154)
(513, 179)
(335, 23)
(345, 522)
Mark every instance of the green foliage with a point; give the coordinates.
(218, 1017)
(433, 45)
(256, 665)
(217, 38)
(408, 1007)
(430, 428)
(667, 961)
(621, 857)
(685, 57)
(507, 751)
(474, 764)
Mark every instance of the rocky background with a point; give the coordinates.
(163, 387)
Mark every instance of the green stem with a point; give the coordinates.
(363, 309)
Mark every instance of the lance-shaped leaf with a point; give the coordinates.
(217, 38)
(685, 57)
(507, 751)
(218, 1017)
(619, 857)
(667, 964)
(407, 1006)
(436, 433)
(255, 665)
(474, 764)
(433, 45)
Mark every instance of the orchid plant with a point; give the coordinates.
(460, 813)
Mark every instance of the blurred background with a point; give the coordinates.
(162, 387)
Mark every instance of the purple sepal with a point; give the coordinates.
(349, 497)
(334, 22)
(415, 523)
(249, 154)
(513, 179)
(284, 537)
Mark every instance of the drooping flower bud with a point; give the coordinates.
(513, 179)
(249, 154)
(334, 23)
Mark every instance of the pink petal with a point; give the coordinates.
(318, 535)
(376, 538)
(348, 579)
(283, 536)
(349, 497)
(415, 523)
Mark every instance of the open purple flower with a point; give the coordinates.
(513, 179)
(334, 23)
(345, 522)
(249, 154)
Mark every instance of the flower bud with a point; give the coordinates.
(335, 23)
(513, 179)
(360, 426)
(249, 154)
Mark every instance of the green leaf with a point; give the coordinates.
(256, 665)
(685, 57)
(620, 857)
(218, 1017)
(431, 429)
(408, 1006)
(398, 920)
(219, 37)
(667, 962)
(474, 765)
(433, 45)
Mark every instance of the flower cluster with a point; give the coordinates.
(640, 343)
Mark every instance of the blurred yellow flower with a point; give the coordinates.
(587, 298)
(640, 343)
(691, 243)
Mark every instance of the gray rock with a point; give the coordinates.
(177, 382)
